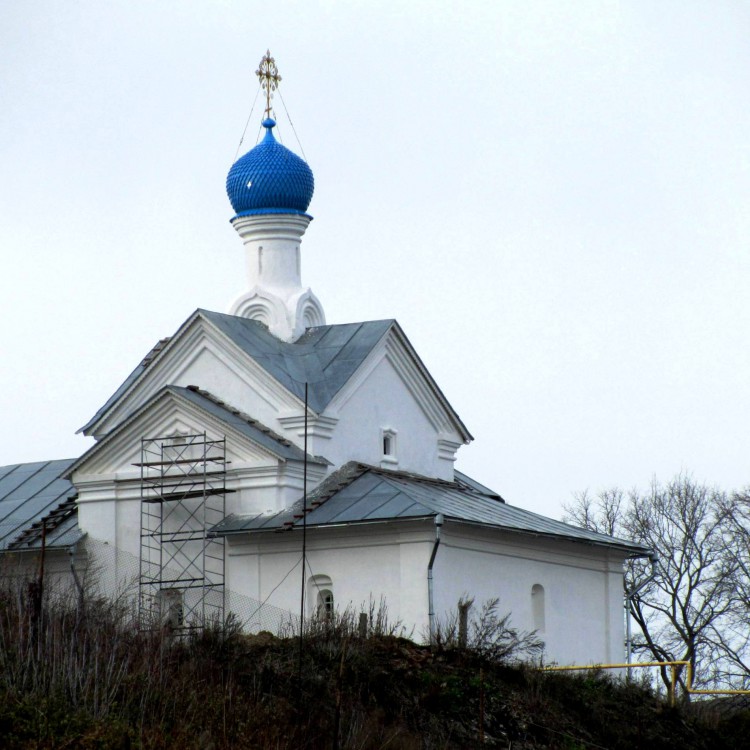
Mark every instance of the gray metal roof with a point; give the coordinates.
(251, 428)
(115, 397)
(325, 356)
(357, 493)
(32, 492)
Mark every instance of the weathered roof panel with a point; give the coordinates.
(324, 356)
(244, 424)
(228, 415)
(29, 493)
(358, 493)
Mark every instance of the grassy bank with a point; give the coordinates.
(83, 677)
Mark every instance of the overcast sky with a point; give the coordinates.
(552, 198)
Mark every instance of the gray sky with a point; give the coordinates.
(551, 198)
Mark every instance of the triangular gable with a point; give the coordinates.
(185, 409)
(325, 357)
(398, 350)
(198, 353)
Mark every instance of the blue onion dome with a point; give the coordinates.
(270, 179)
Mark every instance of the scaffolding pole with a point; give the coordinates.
(183, 496)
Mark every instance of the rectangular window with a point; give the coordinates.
(388, 448)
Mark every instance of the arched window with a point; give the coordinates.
(537, 606)
(325, 604)
(320, 597)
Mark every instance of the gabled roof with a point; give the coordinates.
(30, 493)
(358, 493)
(324, 357)
(233, 418)
(245, 424)
(125, 385)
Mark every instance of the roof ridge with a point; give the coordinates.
(155, 349)
(239, 413)
(415, 477)
(45, 461)
(352, 470)
(309, 328)
(340, 478)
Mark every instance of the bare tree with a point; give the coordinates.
(691, 609)
(737, 631)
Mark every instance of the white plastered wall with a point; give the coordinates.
(583, 588)
(364, 562)
(582, 584)
(382, 401)
(108, 483)
(387, 392)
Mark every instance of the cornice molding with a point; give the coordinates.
(317, 425)
(168, 414)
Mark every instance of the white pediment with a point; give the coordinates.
(395, 350)
(392, 397)
(115, 456)
(200, 354)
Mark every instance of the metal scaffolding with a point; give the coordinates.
(183, 495)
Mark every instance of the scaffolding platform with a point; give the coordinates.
(183, 495)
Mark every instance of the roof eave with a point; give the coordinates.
(91, 426)
(334, 525)
(631, 552)
(163, 392)
(460, 426)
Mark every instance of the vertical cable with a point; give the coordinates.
(299, 143)
(244, 132)
(304, 545)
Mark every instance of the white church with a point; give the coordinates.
(249, 435)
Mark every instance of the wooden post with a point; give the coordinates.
(463, 621)
(481, 706)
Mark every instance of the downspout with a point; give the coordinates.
(430, 594)
(628, 599)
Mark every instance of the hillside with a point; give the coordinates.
(88, 680)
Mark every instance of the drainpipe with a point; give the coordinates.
(430, 596)
(628, 599)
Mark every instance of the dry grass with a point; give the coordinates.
(76, 673)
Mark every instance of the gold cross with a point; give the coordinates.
(269, 77)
